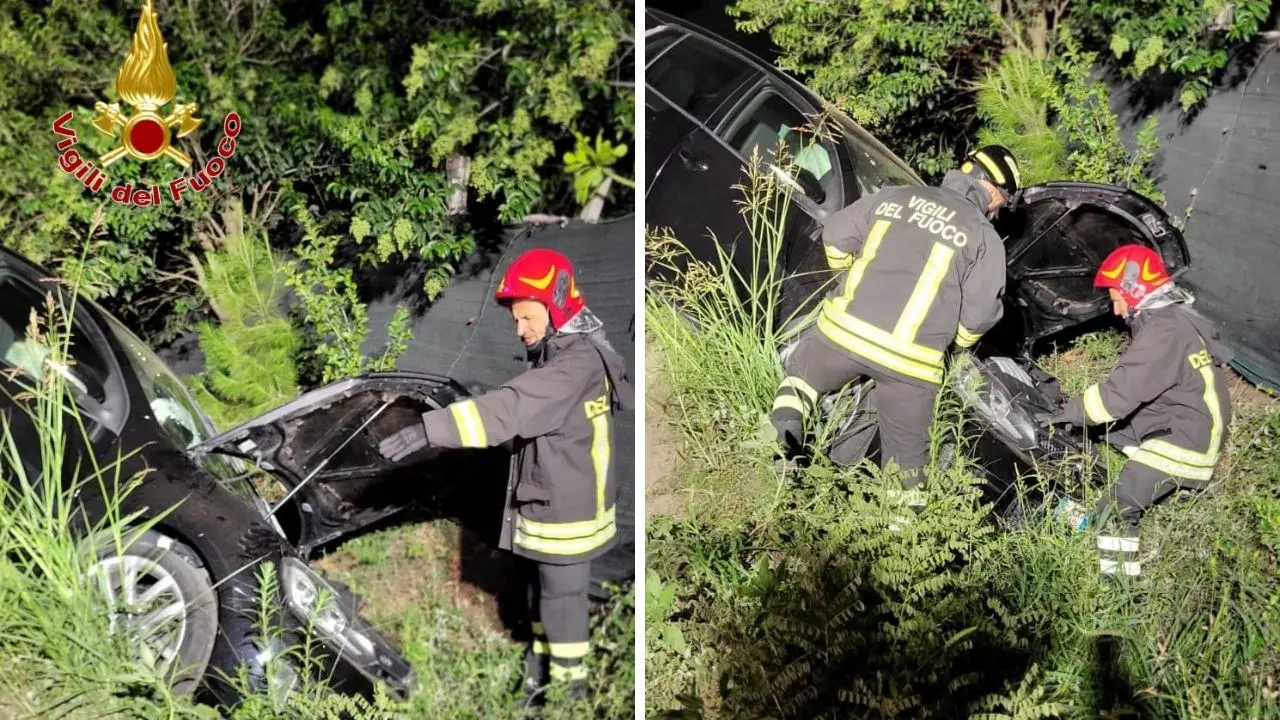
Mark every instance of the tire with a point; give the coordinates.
(171, 586)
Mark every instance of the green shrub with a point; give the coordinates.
(1013, 104)
(250, 351)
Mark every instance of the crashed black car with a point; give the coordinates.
(187, 587)
(1056, 235)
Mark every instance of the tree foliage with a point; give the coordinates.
(1057, 119)
(908, 69)
(250, 350)
(893, 66)
(359, 106)
(1191, 39)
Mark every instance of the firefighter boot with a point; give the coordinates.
(793, 400)
(537, 671)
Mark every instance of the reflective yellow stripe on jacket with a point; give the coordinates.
(1179, 461)
(576, 538)
(895, 350)
(470, 428)
(1094, 410)
(966, 338)
(837, 259)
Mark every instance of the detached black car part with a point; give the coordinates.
(1056, 236)
(189, 586)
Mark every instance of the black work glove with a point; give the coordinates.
(1049, 419)
(403, 443)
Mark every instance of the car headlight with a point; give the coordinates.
(990, 400)
(315, 603)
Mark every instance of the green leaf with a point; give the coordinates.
(1150, 54)
(403, 230)
(673, 638)
(359, 228)
(1119, 45)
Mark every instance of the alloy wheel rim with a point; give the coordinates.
(145, 603)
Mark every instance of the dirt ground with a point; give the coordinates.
(661, 446)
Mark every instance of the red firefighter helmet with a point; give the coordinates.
(546, 276)
(1133, 270)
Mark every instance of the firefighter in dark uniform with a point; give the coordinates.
(920, 268)
(1167, 395)
(561, 497)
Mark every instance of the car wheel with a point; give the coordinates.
(159, 594)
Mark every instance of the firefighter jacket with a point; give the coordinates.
(922, 268)
(561, 501)
(1170, 388)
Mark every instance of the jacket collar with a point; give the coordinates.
(969, 187)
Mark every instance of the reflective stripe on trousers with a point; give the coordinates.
(559, 606)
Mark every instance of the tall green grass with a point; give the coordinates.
(57, 656)
(785, 594)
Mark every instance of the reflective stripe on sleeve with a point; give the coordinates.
(1093, 407)
(470, 428)
(966, 338)
(836, 259)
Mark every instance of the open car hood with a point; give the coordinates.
(323, 449)
(1056, 236)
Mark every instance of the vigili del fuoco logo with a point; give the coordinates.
(145, 82)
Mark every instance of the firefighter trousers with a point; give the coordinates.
(817, 366)
(559, 609)
(1139, 488)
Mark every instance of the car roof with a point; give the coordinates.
(12, 257)
(667, 19)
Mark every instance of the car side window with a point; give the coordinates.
(769, 123)
(695, 75)
(87, 372)
(657, 42)
(872, 167)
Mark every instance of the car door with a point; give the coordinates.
(323, 448)
(690, 174)
(777, 124)
(866, 167)
(1056, 236)
(92, 379)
